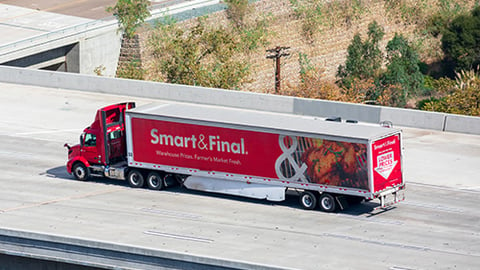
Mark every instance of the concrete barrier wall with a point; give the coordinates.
(274, 103)
(414, 118)
(462, 124)
(347, 111)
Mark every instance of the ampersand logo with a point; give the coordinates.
(201, 143)
(287, 155)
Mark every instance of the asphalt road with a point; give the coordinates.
(437, 227)
(92, 9)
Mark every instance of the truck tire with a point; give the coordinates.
(135, 179)
(308, 200)
(80, 171)
(154, 181)
(327, 202)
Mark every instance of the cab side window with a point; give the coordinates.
(90, 140)
(115, 135)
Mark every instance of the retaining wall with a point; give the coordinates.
(267, 102)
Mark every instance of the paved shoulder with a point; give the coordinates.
(442, 158)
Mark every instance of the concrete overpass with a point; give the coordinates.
(37, 38)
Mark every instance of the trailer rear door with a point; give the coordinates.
(387, 163)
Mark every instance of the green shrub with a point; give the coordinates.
(131, 70)
(130, 14)
(461, 40)
(403, 68)
(364, 59)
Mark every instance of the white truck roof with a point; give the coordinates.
(262, 121)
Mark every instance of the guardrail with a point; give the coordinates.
(266, 102)
(47, 248)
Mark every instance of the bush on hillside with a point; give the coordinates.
(461, 40)
(364, 58)
(403, 68)
(130, 14)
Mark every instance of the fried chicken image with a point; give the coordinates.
(336, 163)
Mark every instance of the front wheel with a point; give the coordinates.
(154, 181)
(327, 202)
(308, 200)
(135, 179)
(80, 171)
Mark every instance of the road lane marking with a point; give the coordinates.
(46, 132)
(81, 196)
(178, 236)
(449, 188)
(434, 206)
(171, 213)
(402, 246)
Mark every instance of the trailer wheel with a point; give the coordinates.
(327, 202)
(154, 181)
(80, 171)
(171, 180)
(135, 179)
(308, 200)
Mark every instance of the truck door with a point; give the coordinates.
(89, 148)
(116, 145)
(111, 120)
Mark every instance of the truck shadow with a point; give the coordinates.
(290, 201)
(60, 172)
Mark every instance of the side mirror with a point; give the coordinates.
(81, 140)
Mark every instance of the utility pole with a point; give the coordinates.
(276, 53)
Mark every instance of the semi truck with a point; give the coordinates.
(255, 154)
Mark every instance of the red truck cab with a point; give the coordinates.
(101, 144)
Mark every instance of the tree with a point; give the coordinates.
(461, 40)
(130, 14)
(364, 59)
(236, 11)
(201, 56)
(205, 54)
(403, 68)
